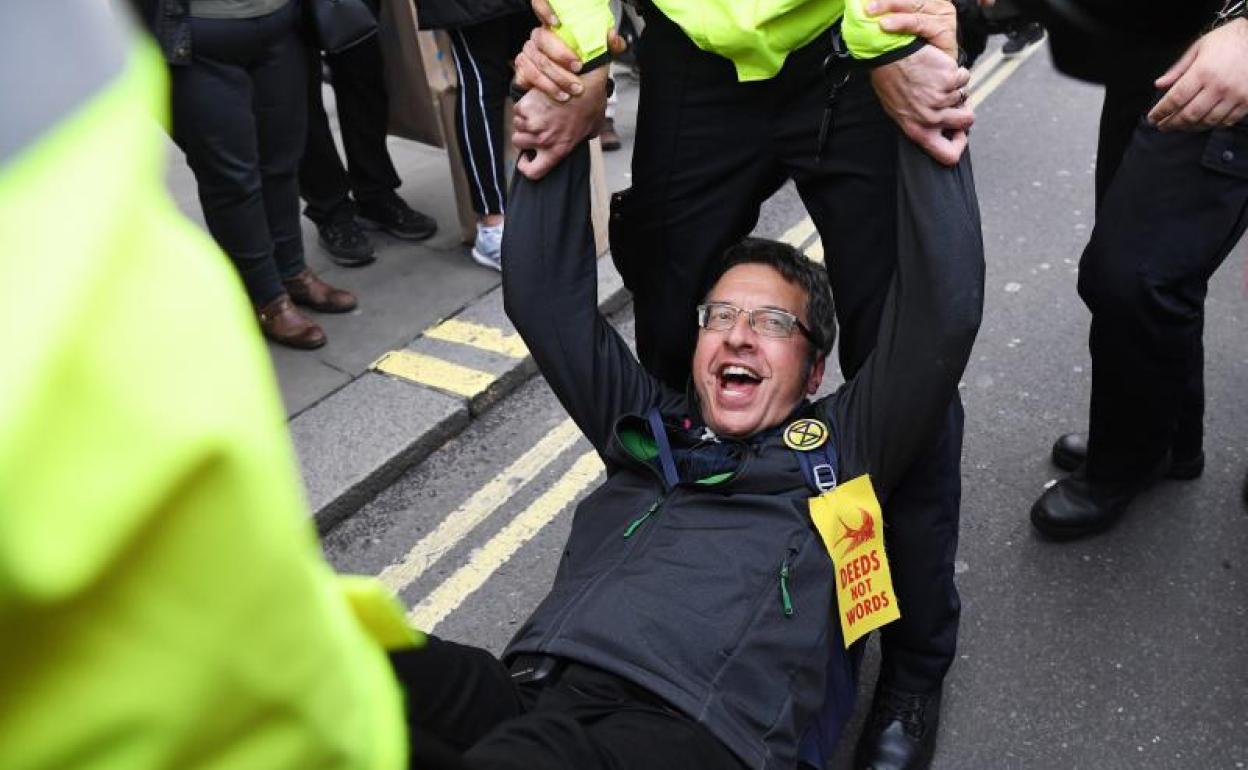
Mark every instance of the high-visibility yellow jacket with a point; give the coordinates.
(757, 36)
(163, 599)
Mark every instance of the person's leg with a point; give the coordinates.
(214, 125)
(279, 102)
(483, 54)
(1173, 211)
(1172, 214)
(1123, 109)
(280, 106)
(363, 115)
(701, 170)
(324, 186)
(454, 696)
(322, 179)
(591, 720)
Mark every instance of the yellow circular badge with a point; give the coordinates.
(805, 435)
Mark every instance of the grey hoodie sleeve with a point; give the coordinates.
(891, 409)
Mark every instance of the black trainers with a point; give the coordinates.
(1019, 38)
(346, 243)
(900, 733)
(394, 216)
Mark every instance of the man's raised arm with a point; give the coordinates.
(893, 406)
(550, 290)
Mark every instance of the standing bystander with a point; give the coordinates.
(339, 199)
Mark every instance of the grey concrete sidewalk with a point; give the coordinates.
(355, 429)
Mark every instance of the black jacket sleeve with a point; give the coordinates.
(550, 291)
(893, 406)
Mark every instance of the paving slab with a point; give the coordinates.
(354, 443)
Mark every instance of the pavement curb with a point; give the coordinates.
(354, 443)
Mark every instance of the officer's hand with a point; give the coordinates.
(926, 94)
(549, 64)
(546, 131)
(1206, 87)
(936, 21)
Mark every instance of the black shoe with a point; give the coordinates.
(1071, 451)
(346, 243)
(900, 732)
(1018, 39)
(394, 216)
(1077, 506)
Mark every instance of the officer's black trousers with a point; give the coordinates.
(1171, 211)
(239, 115)
(465, 713)
(709, 150)
(363, 114)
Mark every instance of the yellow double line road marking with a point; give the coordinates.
(439, 373)
(479, 507)
(484, 561)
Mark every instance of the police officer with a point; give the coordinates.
(729, 110)
(163, 598)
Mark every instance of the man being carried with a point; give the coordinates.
(691, 621)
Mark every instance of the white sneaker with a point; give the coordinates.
(487, 250)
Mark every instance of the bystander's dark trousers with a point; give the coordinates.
(465, 713)
(483, 53)
(709, 150)
(1171, 206)
(363, 116)
(239, 115)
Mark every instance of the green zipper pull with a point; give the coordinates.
(637, 522)
(785, 599)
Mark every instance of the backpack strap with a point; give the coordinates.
(820, 466)
(666, 460)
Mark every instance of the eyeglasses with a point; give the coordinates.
(766, 321)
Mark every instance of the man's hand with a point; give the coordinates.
(936, 21)
(546, 131)
(1206, 87)
(926, 94)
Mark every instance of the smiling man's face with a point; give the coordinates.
(747, 382)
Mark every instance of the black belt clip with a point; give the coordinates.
(535, 669)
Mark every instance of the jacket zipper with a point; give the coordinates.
(785, 599)
(637, 522)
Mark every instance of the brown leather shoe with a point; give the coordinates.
(309, 290)
(609, 138)
(284, 324)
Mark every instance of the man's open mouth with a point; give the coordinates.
(736, 380)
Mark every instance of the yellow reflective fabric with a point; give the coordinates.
(756, 36)
(163, 599)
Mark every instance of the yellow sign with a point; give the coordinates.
(852, 527)
(805, 435)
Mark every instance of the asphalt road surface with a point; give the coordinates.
(1125, 650)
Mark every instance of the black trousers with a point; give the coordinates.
(466, 713)
(1170, 209)
(709, 150)
(483, 53)
(239, 115)
(363, 114)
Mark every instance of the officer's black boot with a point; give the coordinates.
(900, 733)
